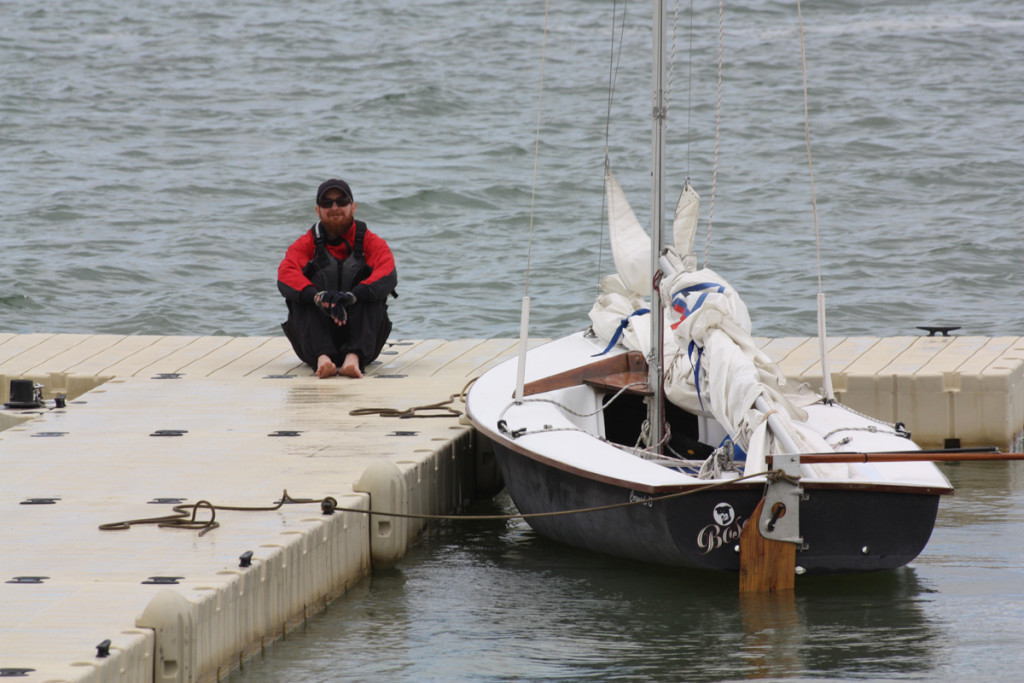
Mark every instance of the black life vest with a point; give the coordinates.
(327, 272)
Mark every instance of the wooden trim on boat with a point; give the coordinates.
(766, 565)
(904, 456)
(678, 488)
(610, 374)
(633, 382)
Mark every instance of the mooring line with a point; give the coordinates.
(183, 519)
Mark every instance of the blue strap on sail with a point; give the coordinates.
(696, 368)
(720, 288)
(679, 304)
(679, 300)
(620, 330)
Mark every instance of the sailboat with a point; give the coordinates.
(663, 434)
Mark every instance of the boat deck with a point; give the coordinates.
(151, 421)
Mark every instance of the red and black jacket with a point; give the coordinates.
(295, 285)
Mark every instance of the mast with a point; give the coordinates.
(656, 371)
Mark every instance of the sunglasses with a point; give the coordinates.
(325, 203)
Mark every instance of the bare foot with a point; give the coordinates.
(350, 368)
(325, 367)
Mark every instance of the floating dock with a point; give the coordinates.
(949, 391)
(153, 422)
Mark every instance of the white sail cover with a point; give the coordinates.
(707, 336)
(712, 364)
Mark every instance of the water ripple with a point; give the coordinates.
(159, 149)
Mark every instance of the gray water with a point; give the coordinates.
(157, 157)
(494, 602)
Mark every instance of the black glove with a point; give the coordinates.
(334, 304)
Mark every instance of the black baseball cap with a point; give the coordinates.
(334, 184)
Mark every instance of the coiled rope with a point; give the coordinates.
(183, 519)
(443, 408)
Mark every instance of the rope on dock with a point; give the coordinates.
(444, 408)
(181, 518)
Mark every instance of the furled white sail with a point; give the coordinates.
(616, 315)
(684, 224)
(630, 244)
(712, 364)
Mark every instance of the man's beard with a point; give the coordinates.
(334, 223)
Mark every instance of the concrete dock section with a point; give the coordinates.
(947, 390)
(237, 431)
(151, 422)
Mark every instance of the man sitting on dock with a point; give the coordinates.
(336, 279)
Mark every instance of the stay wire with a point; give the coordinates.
(672, 59)
(614, 60)
(807, 134)
(689, 97)
(536, 148)
(718, 127)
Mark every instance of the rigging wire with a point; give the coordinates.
(614, 60)
(689, 96)
(672, 58)
(807, 135)
(536, 148)
(718, 127)
(826, 373)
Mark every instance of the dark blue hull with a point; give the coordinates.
(845, 529)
